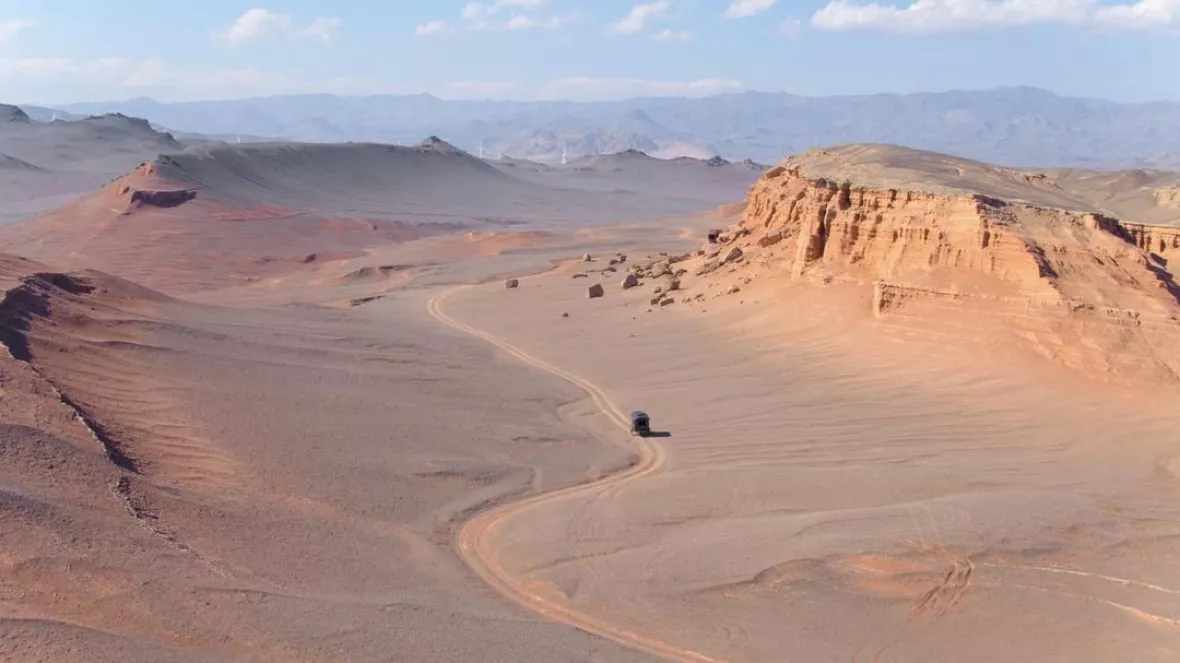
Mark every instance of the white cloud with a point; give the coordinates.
(478, 89)
(488, 15)
(792, 27)
(63, 80)
(673, 35)
(587, 89)
(940, 16)
(12, 27)
(747, 8)
(475, 11)
(432, 28)
(636, 19)
(46, 80)
(601, 89)
(525, 22)
(258, 24)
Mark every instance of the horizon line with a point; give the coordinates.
(680, 97)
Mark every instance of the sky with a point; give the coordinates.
(61, 51)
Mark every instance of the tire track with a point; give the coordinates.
(474, 540)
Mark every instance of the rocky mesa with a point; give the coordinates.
(991, 252)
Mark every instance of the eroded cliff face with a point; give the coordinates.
(1080, 288)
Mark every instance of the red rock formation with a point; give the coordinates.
(1080, 287)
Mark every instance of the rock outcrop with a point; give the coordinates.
(1090, 290)
(162, 198)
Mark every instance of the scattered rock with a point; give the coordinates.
(709, 267)
(613, 261)
(733, 290)
(581, 275)
(680, 272)
(611, 270)
(658, 289)
(565, 315)
(674, 285)
(511, 283)
(666, 301)
(734, 254)
(770, 239)
(655, 300)
(586, 258)
(630, 281)
(595, 291)
(622, 258)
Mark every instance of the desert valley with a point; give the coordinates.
(325, 402)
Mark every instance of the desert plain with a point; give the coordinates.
(295, 402)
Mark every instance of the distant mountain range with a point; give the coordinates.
(1013, 126)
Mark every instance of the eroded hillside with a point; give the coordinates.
(984, 254)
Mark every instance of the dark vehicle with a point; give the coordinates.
(640, 424)
(714, 236)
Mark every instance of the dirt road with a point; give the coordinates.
(475, 537)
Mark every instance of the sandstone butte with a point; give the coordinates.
(1017, 254)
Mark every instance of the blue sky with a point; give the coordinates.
(57, 51)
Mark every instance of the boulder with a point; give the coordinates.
(658, 290)
(666, 301)
(613, 261)
(622, 258)
(511, 283)
(581, 275)
(733, 290)
(655, 300)
(770, 239)
(595, 291)
(630, 281)
(586, 258)
(734, 254)
(709, 267)
(674, 285)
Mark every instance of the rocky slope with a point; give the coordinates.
(1068, 281)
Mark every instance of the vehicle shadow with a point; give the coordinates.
(659, 433)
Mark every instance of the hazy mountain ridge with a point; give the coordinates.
(1013, 126)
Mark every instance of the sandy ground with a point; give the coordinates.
(860, 495)
(360, 460)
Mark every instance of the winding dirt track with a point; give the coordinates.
(475, 537)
